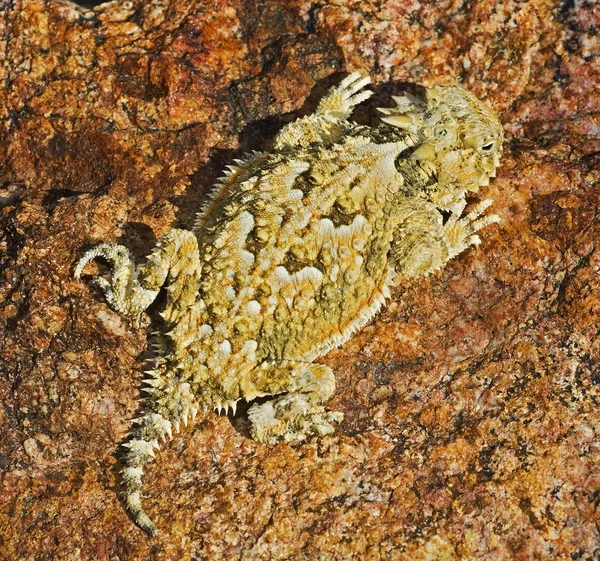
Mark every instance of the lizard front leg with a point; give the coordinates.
(423, 243)
(298, 412)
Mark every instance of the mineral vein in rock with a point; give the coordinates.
(294, 252)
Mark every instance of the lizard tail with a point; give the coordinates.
(152, 427)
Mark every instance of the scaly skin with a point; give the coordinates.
(295, 251)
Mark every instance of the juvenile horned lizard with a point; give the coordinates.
(294, 252)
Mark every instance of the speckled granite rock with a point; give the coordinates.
(472, 425)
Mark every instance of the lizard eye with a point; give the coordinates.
(488, 147)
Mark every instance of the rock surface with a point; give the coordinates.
(472, 426)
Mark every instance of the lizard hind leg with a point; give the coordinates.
(170, 402)
(298, 412)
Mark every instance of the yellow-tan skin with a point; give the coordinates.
(295, 251)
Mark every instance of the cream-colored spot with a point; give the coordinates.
(225, 348)
(246, 259)
(249, 348)
(282, 274)
(283, 277)
(253, 307)
(245, 223)
(309, 273)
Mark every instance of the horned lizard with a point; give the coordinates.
(295, 251)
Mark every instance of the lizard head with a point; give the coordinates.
(458, 139)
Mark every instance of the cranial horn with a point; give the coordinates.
(400, 121)
(424, 152)
(400, 99)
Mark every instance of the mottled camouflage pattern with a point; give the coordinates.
(294, 252)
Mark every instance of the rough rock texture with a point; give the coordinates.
(472, 418)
